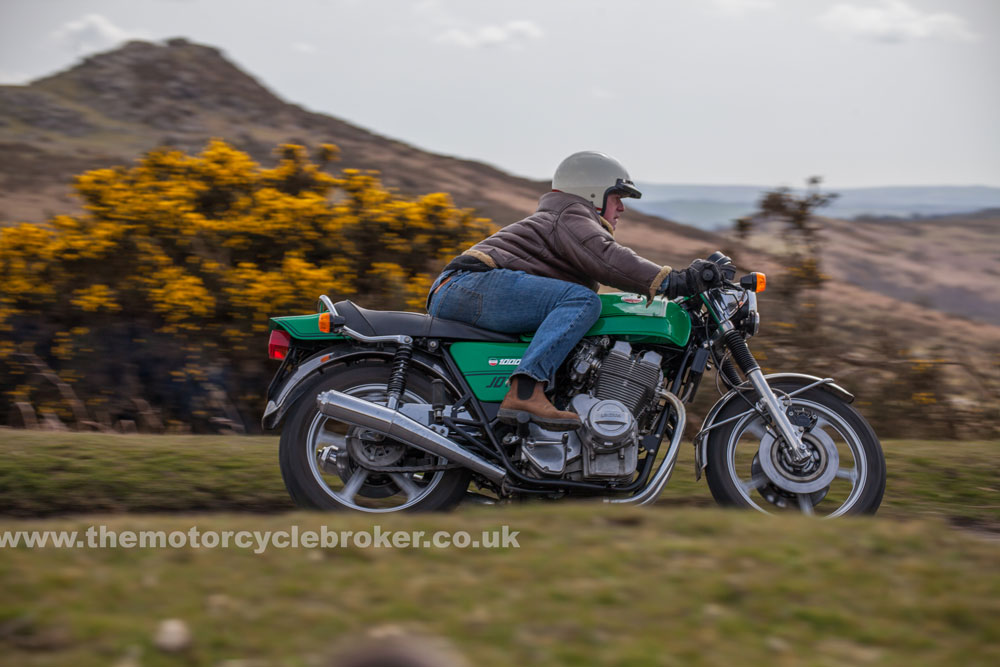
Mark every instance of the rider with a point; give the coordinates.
(541, 274)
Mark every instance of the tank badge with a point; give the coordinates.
(505, 362)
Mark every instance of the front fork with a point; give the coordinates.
(791, 442)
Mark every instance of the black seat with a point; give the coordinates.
(394, 323)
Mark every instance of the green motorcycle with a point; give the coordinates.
(388, 411)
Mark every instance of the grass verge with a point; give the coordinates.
(45, 474)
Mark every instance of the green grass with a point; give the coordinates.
(57, 473)
(679, 583)
(954, 480)
(589, 584)
(45, 473)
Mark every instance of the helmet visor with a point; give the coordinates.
(624, 188)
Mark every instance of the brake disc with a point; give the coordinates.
(779, 497)
(814, 475)
(373, 450)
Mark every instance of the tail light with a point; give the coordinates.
(278, 344)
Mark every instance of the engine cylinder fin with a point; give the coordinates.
(629, 380)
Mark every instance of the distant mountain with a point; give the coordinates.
(716, 206)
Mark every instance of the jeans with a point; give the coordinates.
(558, 312)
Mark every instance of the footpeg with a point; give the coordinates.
(523, 424)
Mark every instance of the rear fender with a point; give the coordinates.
(323, 362)
(801, 380)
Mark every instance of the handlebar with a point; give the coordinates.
(753, 282)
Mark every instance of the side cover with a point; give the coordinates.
(486, 366)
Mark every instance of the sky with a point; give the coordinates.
(761, 92)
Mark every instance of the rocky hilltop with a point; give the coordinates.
(174, 88)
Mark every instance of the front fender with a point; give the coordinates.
(803, 380)
(291, 389)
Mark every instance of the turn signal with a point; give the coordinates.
(324, 322)
(755, 282)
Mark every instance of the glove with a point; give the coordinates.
(702, 275)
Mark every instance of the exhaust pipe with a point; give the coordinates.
(652, 490)
(398, 426)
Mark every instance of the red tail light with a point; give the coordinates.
(278, 344)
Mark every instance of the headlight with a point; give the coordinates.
(730, 303)
(739, 307)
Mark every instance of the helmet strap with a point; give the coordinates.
(607, 193)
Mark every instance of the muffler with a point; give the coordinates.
(398, 426)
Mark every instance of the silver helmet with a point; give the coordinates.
(594, 176)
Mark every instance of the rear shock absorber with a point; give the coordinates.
(400, 369)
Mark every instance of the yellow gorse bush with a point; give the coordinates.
(206, 247)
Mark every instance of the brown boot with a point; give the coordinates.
(535, 405)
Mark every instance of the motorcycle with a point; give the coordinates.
(388, 411)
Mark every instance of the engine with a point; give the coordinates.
(622, 388)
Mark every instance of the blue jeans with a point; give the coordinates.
(558, 312)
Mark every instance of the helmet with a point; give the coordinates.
(594, 176)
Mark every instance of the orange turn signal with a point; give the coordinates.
(755, 282)
(324, 322)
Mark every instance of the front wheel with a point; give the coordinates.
(320, 456)
(844, 474)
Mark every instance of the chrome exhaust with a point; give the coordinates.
(398, 426)
(651, 491)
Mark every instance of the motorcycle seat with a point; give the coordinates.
(417, 325)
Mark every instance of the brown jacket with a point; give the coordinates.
(566, 239)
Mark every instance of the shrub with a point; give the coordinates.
(162, 289)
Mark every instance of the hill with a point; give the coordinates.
(113, 106)
(895, 257)
(948, 264)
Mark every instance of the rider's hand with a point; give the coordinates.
(702, 275)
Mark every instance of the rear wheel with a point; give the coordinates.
(320, 456)
(844, 474)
